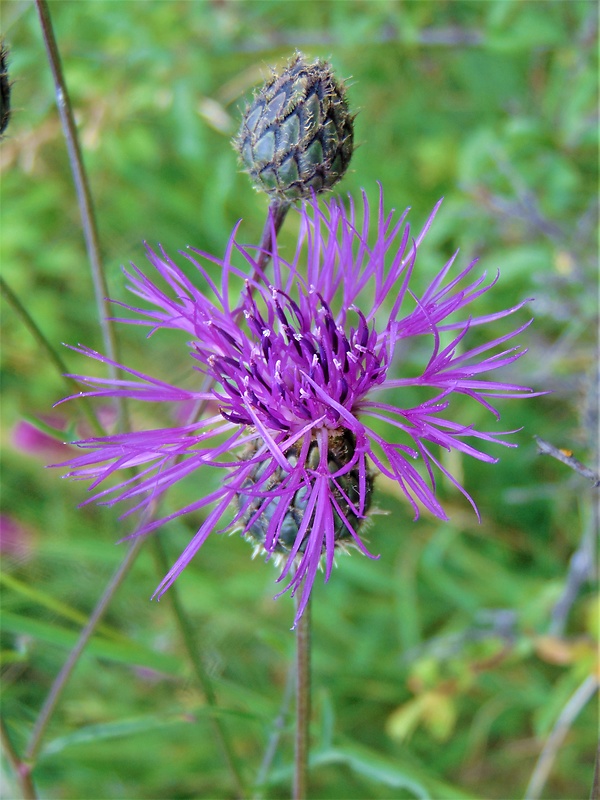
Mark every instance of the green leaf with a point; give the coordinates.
(114, 730)
(47, 601)
(128, 653)
(374, 766)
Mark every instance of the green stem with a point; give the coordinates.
(21, 771)
(302, 704)
(31, 325)
(278, 728)
(84, 196)
(63, 676)
(595, 791)
(189, 640)
(278, 211)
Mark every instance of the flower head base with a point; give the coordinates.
(301, 375)
(258, 515)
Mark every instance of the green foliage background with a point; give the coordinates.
(439, 670)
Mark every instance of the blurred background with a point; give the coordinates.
(441, 669)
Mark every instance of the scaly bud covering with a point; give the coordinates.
(297, 135)
(258, 516)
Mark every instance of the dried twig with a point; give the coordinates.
(567, 457)
(567, 716)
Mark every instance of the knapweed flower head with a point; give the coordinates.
(305, 379)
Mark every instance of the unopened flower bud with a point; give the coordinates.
(297, 135)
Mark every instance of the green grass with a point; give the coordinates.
(417, 692)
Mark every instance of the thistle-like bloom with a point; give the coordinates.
(301, 377)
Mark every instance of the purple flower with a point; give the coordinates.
(297, 383)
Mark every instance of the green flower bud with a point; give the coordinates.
(297, 135)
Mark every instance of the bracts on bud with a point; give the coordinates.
(276, 534)
(297, 135)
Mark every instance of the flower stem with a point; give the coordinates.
(82, 188)
(189, 640)
(302, 704)
(277, 212)
(278, 727)
(595, 793)
(63, 676)
(21, 771)
(54, 357)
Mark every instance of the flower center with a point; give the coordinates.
(297, 365)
